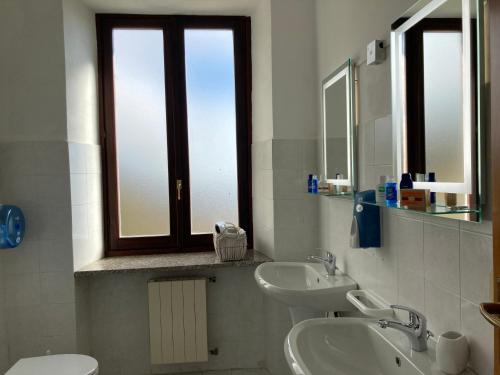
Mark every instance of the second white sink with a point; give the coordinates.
(353, 346)
(305, 287)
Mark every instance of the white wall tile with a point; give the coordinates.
(23, 259)
(94, 188)
(479, 333)
(308, 155)
(79, 193)
(383, 141)
(407, 238)
(23, 322)
(476, 263)
(484, 227)
(77, 157)
(442, 309)
(55, 255)
(93, 158)
(20, 347)
(289, 184)
(22, 289)
(58, 319)
(411, 289)
(442, 256)
(367, 142)
(57, 287)
(286, 154)
(80, 222)
(61, 344)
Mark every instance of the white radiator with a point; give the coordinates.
(178, 321)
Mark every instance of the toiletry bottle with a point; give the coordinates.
(406, 181)
(338, 189)
(391, 192)
(315, 184)
(310, 184)
(380, 191)
(432, 178)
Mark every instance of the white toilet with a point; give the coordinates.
(64, 364)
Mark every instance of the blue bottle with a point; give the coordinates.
(391, 192)
(315, 184)
(406, 181)
(310, 184)
(432, 178)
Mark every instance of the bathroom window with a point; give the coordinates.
(175, 128)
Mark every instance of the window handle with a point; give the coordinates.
(179, 189)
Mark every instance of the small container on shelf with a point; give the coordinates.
(432, 178)
(416, 199)
(391, 192)
(406, 182)
(380, 190)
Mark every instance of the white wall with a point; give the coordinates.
(235, 323)
(38, 308)
(80, 45)
(439, 266)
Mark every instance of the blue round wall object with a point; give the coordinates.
(12, 226)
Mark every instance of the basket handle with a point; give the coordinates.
(231, 228)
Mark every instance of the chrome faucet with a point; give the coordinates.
(330, 262)
(416, 329)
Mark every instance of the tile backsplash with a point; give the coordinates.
(433, 265)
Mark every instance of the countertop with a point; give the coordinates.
(168, 262)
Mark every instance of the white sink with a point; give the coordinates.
(305, 287)
(353, 346)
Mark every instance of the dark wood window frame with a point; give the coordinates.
(173, 26)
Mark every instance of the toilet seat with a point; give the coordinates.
(67, 364)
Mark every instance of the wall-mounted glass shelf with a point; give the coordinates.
(452, 212)
(333, 194)
(431, 210)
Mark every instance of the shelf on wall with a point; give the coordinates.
(333, 194)
(434, 210)
(431, 210)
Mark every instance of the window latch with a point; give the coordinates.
(179, 189)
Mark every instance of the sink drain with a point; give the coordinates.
(398, 361)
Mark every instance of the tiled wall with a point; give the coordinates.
(285, 217)
(36, 279)
(53, 182)
(86, 203)
(439, 266)
(120, 332)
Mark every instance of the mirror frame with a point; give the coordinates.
(346, 71)
(472, 173)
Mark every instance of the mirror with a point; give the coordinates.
(436, 95)
(338, 127)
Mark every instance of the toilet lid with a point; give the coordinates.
(67, 364)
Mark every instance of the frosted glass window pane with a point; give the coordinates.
(210, 87)
(443, 105)
(141, 138)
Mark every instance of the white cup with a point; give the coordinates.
(452, 352)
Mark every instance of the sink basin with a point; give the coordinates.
(353, 346)
(305, 287)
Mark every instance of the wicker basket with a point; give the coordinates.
(231, 244)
